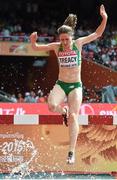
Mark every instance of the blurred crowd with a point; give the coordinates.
(106, 94)
(27, 97)
(104, 49)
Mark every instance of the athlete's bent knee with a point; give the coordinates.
(73, 116)
(52, 107)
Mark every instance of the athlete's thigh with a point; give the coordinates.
(57, 95)
(75, 100)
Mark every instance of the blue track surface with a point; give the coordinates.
(57, 176)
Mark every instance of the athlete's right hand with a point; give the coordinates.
(33, 37)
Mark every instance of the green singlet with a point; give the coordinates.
(69, 59)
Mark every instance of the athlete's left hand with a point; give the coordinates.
(103, 12)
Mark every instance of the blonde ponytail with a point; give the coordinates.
(71, 21)
(68, 25)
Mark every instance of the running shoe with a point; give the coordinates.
(65, 116)
(70, 158)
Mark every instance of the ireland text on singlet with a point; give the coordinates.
(70, 58)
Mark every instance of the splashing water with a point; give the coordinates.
(22, 170)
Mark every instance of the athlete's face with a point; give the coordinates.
(66, 40)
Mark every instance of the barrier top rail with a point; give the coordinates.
(35, 119)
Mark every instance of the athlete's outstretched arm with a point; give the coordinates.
(39, 47)
(99, 31)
